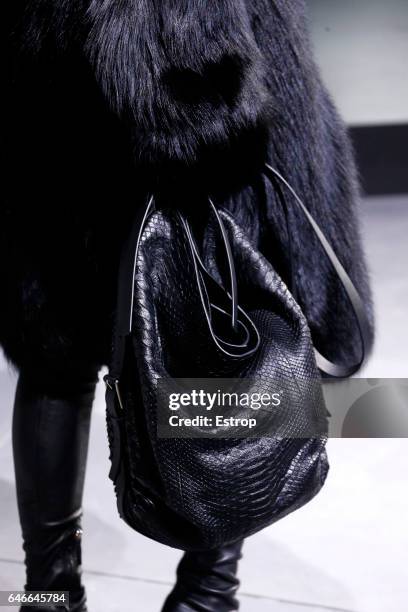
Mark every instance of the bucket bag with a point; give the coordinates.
(214, 308)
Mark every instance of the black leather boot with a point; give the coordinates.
(50, 444)
(206, 581)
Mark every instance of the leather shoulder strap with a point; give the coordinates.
(325, 365)
(125, 293)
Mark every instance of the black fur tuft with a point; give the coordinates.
(185, 74)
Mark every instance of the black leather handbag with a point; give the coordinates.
(178, 316)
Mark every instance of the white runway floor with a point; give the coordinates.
(346, 550)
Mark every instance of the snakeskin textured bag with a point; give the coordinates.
(178, 316)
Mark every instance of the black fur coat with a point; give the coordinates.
(106, 99)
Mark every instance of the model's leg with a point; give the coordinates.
(206, 581)
(50, 443)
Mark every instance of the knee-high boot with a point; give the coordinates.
(50, 445)
(206, 581)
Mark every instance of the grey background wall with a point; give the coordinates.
(362, 49)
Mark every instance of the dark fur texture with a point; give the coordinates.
(109, 98)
